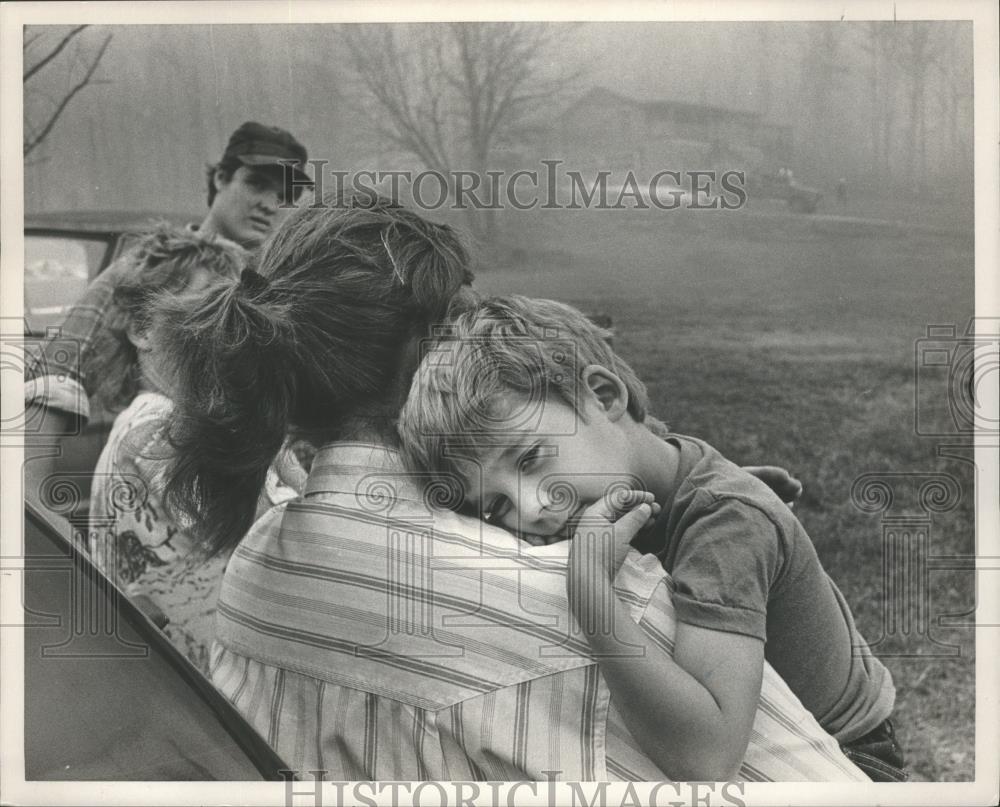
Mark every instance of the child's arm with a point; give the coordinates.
(691, 713)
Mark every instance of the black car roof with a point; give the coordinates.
(104, 221)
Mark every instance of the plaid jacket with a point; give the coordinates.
(53, 374)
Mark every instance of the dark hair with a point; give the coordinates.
(162, 262)
(290, 191)
(228, 166)
(323, 348)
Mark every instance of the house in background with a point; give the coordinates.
(606, 130)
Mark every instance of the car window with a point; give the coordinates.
(57, 270)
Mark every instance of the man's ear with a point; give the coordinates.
(607, 388)
(139, 337)
(220, 180)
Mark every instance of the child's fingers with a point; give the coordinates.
(631, 514)
(655, 510)
(629, 525)
(614, 504)
(598, 511)
(622, 500)
(612, 520)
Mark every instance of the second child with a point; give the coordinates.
(155, 559)
(547, 428)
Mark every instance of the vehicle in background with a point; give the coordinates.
(63, 252)
(107, 697)
(783, 186)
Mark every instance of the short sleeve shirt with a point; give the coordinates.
(742, 563)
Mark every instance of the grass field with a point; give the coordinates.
(784, 343)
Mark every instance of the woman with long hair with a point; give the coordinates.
(363, 629)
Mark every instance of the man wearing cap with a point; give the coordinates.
(260, 172)
(250, 190)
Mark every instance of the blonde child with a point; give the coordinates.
(524, 401)
(154, 559)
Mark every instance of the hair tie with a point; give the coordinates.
(253, 281)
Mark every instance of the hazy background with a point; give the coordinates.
(778, 336)
(887, 106)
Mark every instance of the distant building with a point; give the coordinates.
(607, 130)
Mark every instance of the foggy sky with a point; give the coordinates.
(174, 93)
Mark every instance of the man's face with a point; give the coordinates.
(247, 206)
(537, 484)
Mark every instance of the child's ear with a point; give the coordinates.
(139, 337)
(607, 388)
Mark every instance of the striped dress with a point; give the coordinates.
(367, 633)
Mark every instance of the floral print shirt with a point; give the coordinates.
(138, 546)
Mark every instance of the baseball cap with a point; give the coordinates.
(256, 144)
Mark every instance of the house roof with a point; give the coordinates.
(658, 107)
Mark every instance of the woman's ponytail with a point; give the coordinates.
(320, 343)
(229, 347)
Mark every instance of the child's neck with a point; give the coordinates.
(657, 462)
(150, 379)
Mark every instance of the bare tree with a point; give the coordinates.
(953, 95)
(39, 126)
(765, 57)
(822, 71)
(878, 41)
(447, 94)
(919, 51)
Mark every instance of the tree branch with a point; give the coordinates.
(28, 42)
(446, 92)
(53, 53)
(31, 144)
(392, 88)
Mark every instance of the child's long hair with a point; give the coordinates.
(315, 341)
(161, 263)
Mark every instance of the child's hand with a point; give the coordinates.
(604, 530)
(779, 480)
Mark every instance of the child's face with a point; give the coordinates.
(537, 482)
